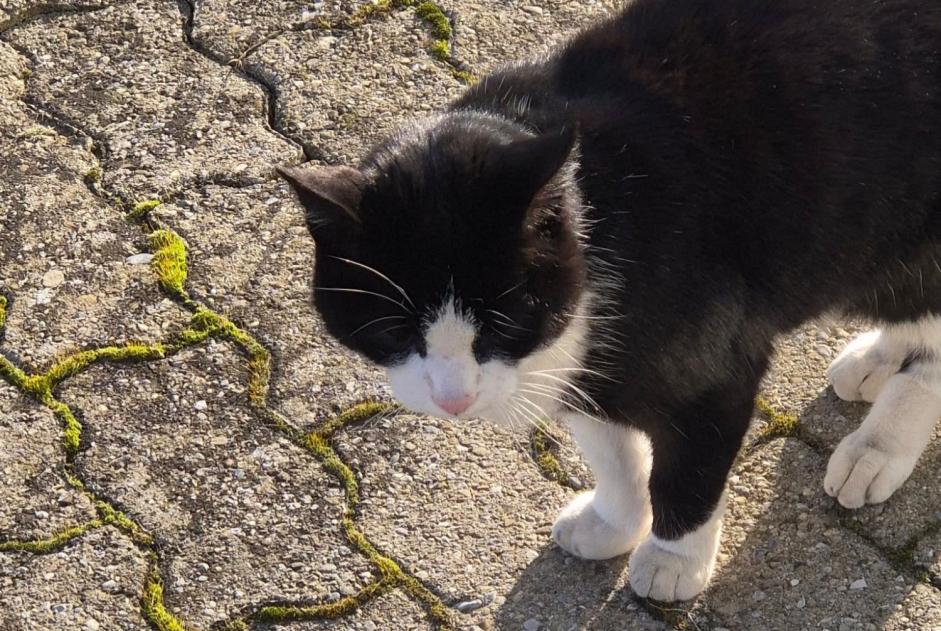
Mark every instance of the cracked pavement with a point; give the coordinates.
(185, 449)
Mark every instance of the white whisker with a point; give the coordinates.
(372, 322)
(364, 292)
(380, 275)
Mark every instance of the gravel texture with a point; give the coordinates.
(189, 494)
(92, 584)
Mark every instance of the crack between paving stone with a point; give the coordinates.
(901, 559)
(429, 12)
(188, 10)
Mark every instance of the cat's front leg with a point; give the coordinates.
(693, 450)
(614, 517)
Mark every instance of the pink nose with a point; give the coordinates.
(455, 406)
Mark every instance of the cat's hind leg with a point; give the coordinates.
(862, 368)
(614, 517)
(870, 464)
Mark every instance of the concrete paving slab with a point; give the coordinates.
(786, 563)
(797, 384)
(166, 115)
(232, 29)
(93, 583)
(489, 34)
(242, 514)
(341, 90)
(251, 257)
(37, 501)
(466, 505)
(64, 252)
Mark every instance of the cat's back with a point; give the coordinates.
(684, 49)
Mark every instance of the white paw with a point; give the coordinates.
(860, 371)
(581, 531)
(664, 575)
(862, 470)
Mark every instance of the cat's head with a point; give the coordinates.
(451, 256)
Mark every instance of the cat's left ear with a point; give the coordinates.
(330, 194)
(525, 166)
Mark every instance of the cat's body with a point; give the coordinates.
(742, 166)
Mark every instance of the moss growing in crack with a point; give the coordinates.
(141, 209)
(77, 362)
(546, 460)
(169, 262)
(326, 611)
(53, 543)
(318, 443)
(72, 432)
(259, 359)
(3, 313)
(332, 463)
(354, 415)
(121, 521)
(93, 175)
(152, 603)
(441, 50)
(780, 424)
(432, 14)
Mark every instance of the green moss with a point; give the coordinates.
(543, 453)
(780, 424)
(141, 209)
(152, 604)
(72, 432)
(169, 262)
(3, 312)
(77, 362)
(332, 463)
(441, 50)
(53, 543)
(355, 415)
(326, 611)
(259, 359)
(93, 175)
(121, 521)
(432, 14)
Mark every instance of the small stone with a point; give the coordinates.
(200, 405)
(41, 514)
(43, 296)
(469, 605)
(860, 584)
(532, 9)
(53, 278)
(110, 586)
(532, 625)
(139, 259)
(92, 625)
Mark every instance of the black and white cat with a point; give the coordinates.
(614, 235)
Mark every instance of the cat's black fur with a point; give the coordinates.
(741, 166)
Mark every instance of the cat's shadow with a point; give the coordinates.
(565, 593)
(790, 556)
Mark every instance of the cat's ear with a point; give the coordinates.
(330, 195)
(526, 166)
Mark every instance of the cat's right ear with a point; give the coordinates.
(330, 195)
